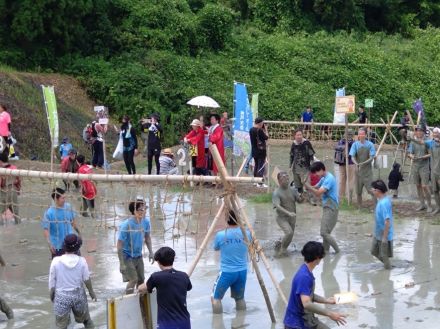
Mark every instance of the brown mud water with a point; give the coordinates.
(408, 296)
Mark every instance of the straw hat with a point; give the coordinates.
(168, 151)
(196, 122)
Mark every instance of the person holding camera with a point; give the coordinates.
(259, 135)
(154, 147)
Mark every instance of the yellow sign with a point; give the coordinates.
(345, 104)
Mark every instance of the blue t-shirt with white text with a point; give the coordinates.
(233, 249)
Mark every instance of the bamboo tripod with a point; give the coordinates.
(231, 201)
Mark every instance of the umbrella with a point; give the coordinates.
(203, 101)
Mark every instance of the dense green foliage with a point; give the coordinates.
(144, 56)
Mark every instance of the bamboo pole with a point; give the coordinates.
(235, 203)
(386, 132)
(391, 133)
(331, 124)
(205, 241)
(210, 232)
(124, 177)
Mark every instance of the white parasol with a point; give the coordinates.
(203, 101)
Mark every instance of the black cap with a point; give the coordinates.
(72, 243)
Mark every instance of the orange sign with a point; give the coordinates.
(345, 104)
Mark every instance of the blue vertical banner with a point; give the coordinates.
(339, 117)
(243, 120)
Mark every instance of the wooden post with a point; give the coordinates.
(234, 203)
(52, 154)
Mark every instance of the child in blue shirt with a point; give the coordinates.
(382, 247)
(302, 295)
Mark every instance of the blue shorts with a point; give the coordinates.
(235, 280)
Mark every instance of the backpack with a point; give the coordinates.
(339, 157)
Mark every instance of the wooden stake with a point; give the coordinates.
(347, 171)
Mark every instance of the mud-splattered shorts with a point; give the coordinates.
(66, 301)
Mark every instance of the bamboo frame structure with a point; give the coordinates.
(125, 177)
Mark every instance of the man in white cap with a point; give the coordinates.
(434, 150)
(196, 139)
(418, 152)
(167, 164)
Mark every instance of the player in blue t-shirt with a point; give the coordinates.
(328, 189)
(58, 221)
(382, 247)
(302, 295)
(233, 264)
(132, 233)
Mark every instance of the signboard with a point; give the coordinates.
(339, 117)
(369, 103)
(101, 114)
(345, 104)
(50, 103)
(243, 120)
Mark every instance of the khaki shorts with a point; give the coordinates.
(134, 270)
(420, 175)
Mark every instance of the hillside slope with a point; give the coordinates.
(21, 93)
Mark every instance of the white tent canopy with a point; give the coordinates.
(203, 101)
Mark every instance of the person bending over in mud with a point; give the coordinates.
(284, 200)
(302, 306)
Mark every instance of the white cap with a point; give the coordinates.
(436, 130)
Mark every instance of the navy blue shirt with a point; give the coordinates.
(302, 284)
(171, 286)
(307, 116)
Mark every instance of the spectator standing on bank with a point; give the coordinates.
(196, 139)
(70, 165)
(362, 116)
(5, 126)
(65, 147)
(307, 117)
(130, 144)
(258, 135)
(215, 136)
(97, 141)
(154, 144)
(88, 188)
